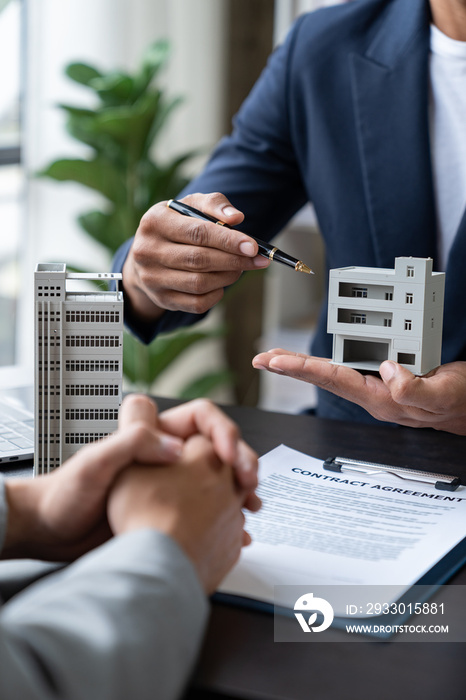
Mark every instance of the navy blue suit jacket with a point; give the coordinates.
(339, 117)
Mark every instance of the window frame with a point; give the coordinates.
(17, 374)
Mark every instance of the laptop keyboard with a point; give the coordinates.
(15, 434)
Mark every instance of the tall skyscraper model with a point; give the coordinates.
(78, 363)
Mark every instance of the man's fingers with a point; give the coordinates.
(217, 205)
(202, 416)
(197, 235)
(150, 444)
(247, 539)
(436, 400)
(138, 437)
(246, 467)
(252, 502)
(137, 408)
(420, 392)
(342, 381)
(264, 359)
(211, 235)
(136, 443)
(364, 389)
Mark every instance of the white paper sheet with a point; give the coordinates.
(318, 527)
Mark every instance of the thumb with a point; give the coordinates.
(101, 461)
(405, 388)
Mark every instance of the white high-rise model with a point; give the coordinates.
(78, 363)
(381, 314)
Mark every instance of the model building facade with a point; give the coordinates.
(379, 314)
(78, 363)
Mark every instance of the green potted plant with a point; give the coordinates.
(121, 131)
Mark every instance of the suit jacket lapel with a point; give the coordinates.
(390, 98)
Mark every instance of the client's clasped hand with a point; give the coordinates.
(185, 472)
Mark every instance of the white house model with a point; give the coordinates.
(78, 363)
(379, 314)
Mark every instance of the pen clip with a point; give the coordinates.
(443, 482)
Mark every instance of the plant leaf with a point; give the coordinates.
(131, 126)
(205, 385)
(97, 174)
(159, 182)
(135, 360)
(110, 229)
(114, 88)
(78, 112)
(167, 347)
(165, 108)
(144, 363)
(154, 59)
(82, 73)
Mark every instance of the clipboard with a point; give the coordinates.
(442, 482)
(425, 584)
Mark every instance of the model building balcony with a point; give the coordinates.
(368, 318)
(381, 292)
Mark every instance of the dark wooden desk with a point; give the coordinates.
(239, 658)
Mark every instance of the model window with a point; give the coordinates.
(359, 292)
(387, 322)
(388, 296)
(358, 318)
(409, 297)
(406, 358)
(408, 325)
(409, 271)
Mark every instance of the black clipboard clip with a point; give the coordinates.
(443, 482)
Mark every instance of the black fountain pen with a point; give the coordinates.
(265, 249)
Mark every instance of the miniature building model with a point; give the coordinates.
(78, 363)
(379, 314)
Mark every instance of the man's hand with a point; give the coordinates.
(436, 400)
(180, 263)
(196, 501)
(202, 417)
(63, 514)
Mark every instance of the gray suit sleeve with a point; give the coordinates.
(124, 621)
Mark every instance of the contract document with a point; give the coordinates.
(318, 527)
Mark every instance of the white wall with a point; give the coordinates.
(108, 33)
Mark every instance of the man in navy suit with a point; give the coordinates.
(361, 112)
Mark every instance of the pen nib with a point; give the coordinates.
(301, 267)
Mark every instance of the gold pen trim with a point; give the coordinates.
(272, 253)
(302, 267)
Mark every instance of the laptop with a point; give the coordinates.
(16, 425)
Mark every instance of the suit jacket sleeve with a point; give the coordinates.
(124, 621)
